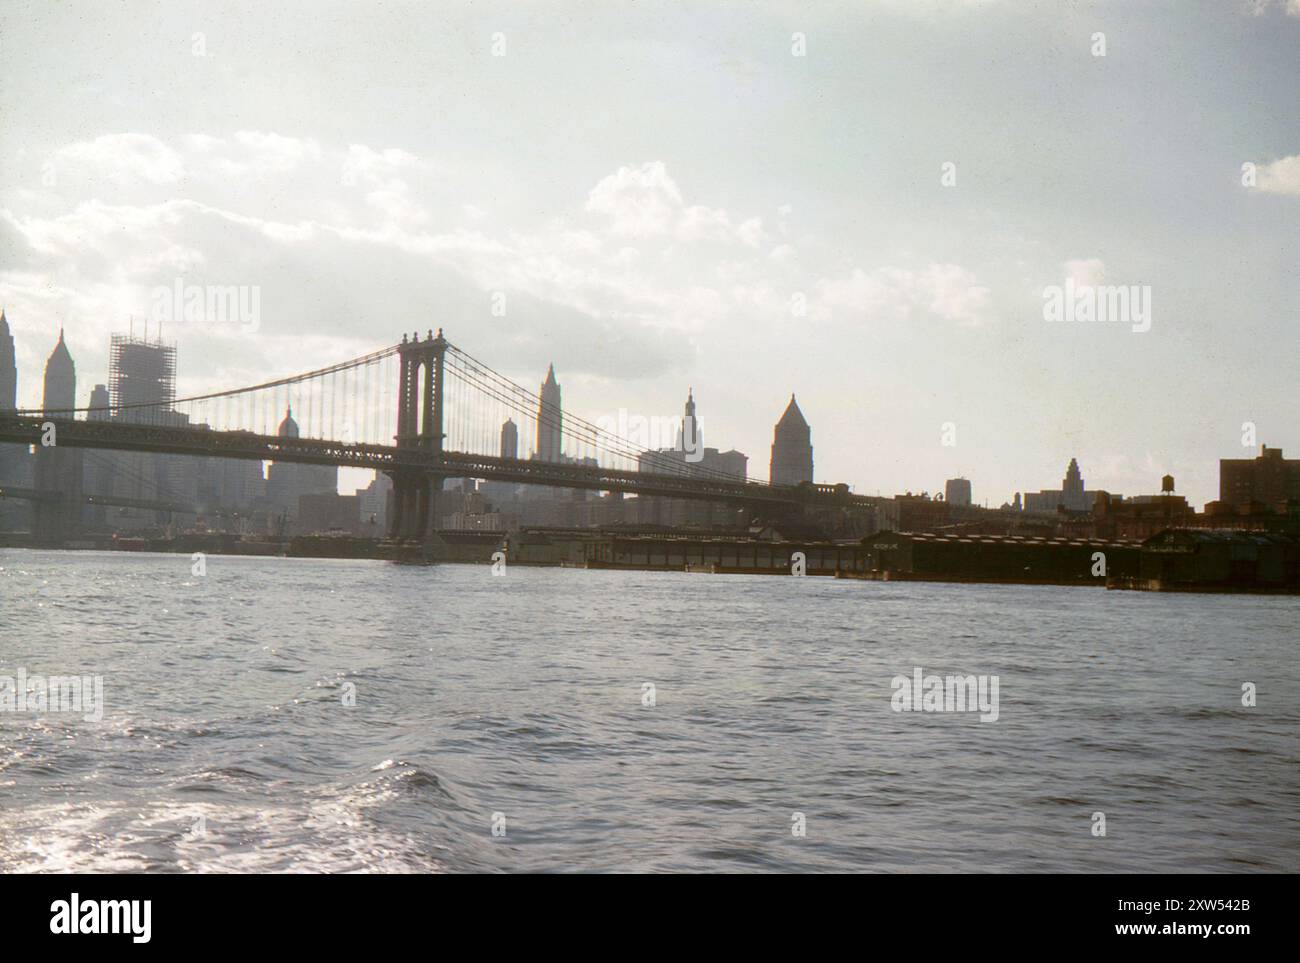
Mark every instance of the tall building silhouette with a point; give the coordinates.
(59, 469)
(60, 396)
(15, 465)
(8, 367)
(1072, 485)
(99, 404)
(689, 437)
(142, 372)
(98, 477)
(142, 390)
(550, 420)
(287, 482)
(1070, 496)
(687, 457)
(956, 492)
(792, 454)
(509, 439)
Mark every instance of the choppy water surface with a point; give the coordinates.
(523, 695)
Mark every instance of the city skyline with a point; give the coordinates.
(653, 253)
(549, 443)
(669, 436)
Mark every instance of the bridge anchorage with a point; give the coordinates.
(420, 411)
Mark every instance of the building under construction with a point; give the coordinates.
(141, 372)
(142, 389)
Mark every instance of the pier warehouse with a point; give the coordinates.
(1221, 559)
(768, 553)
(997, 558)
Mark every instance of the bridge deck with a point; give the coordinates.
(26, 428)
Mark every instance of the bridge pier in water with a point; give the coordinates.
(414, 510)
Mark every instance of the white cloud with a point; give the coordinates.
(638, 201)
(704, 223)
(945, 291)
(1282, 176)
(119, 158)
(384, 169)
(635, 270)
(751, 232)
(248, 154)
(954, 294)
(1260, 7)
(397, 206)
(270, 153)
(645, 202)
(1086, 272)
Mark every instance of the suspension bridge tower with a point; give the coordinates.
(414, 512)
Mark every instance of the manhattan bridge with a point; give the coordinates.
(420, 411)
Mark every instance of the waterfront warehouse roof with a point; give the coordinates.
(942, 538)
(1217, 536)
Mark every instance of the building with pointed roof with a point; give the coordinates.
(58, 470)
(1072, 496)
(689, 456)
(550, 420)
(60, 381)
(792, 454)
(690, 439)
(8, 367)
(15, 462)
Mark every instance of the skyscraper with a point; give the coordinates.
(60, 396)
(690, 440)
(509, 439)
(287, 482)
(98, 478)
(956, 492)
(142, 389)
(142, 372)
(59, 469)
(1072, 486)
(550, 420)
(1070, 496)
(15, 465)
(8, 367)
(689, 456)
(99, 404)
(792, 454)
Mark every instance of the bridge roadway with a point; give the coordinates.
(26, 428)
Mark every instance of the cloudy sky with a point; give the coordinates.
(745, 198)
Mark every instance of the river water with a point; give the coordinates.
(505, 723)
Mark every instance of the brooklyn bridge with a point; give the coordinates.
(420, 411)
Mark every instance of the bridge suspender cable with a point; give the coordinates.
(613, 445)
(322, 412)
(232, 392)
